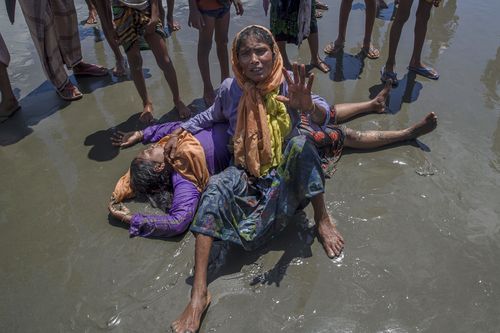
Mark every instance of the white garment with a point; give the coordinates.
(136, 4)
(304, 20)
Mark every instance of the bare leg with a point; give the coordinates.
(422, 17)
(328, 235)
(135, 63)
(345, 10)
(376, 139)
(172, 24)
(402, 16)
(221, 31)
(346, 111)
(104, 11)
(205, 36)
(92, 18)
(9, 102)
(189, 320)
(313, 41)
(159, 49)
(161, 12)
(286, 62)
(371, 12)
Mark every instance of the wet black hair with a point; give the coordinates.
(155, 186)
(258, 33)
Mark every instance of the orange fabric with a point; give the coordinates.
(189, 162)
(252, 141)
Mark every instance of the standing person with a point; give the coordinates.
(250, 202)
(172, 24)
(422, 17)
(367, 49)
(292, 22)
(209, 17)
(136, 18)
(54, 29)
(9, 103)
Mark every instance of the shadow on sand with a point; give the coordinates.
(345, 66)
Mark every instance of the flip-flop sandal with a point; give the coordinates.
(69, 92)
(425, 71)
(91, 70)
(385, 76)
(322, 66)
(368, 52)
(10, 113)
(333, 49)
(321, 5)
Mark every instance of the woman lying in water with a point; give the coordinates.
(171, 184)
(272, 178)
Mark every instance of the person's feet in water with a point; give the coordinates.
(329, 236)
(379, 101)
(426, 125)
(184, 111)
(320, 64)
(189, 320)
(92, 18)
(120, 68)
(173, 25)
(146, 116)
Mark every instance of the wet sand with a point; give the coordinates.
(421, 221)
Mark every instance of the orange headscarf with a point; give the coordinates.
(259, 131)
(189, 162)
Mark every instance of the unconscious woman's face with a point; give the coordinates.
(153, 154)
(256, 59)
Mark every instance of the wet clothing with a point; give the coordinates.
(53, 27)
(285, 22)
(185, 194)
(4, 53)
(130, 23)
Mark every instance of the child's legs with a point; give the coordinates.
(422, 17)
(345, 10)
(221, 31)
(205, 36)
(371, 11)
(313, 41)
(159, 49)
(284, 55)
(104, 11)
(402, 16)
(135, 62)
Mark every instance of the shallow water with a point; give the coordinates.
(421, 222)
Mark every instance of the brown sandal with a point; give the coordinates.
(69, 92)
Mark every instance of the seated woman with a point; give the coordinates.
(171, 184)
(249, 202)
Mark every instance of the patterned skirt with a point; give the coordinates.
(284, 20)
(130, 24)
(250, 211)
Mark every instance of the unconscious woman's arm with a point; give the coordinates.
(177, 219)
(150, 134)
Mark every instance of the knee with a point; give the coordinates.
(164, 63)
(135, 62)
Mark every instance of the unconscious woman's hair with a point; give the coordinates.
(258, 33)
(155, 186)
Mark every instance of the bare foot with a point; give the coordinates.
(184, 111)
(92, 18)
(330, 237)
(333, 48)
(209, 97)
(190, 319)
(379, 101)
(120, 68)
(173, 25)
(146, 116)
(426, 125)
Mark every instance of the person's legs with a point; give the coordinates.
(376, 139)
(172, 24)
(135, 63)
(422, 17)
(221, 28)
(345, 10)
(286, 62)
(346, 111)
(189, 320)
(371, 11)
(161, 12)
(159, 49)
(9, 102)
(104, 11)
(402, 16)
(205, 36)
(316, 61)
(328, 235)
(92, 18)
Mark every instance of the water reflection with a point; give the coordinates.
(441, 28)
(388, 13)
(345, 66)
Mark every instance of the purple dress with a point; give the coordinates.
(185, 197)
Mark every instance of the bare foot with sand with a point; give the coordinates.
(190, 319)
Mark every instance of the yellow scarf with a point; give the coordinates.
(262, 121)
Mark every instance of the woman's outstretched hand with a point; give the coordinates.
(126, 139)
(119, 211)
(299, 89)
